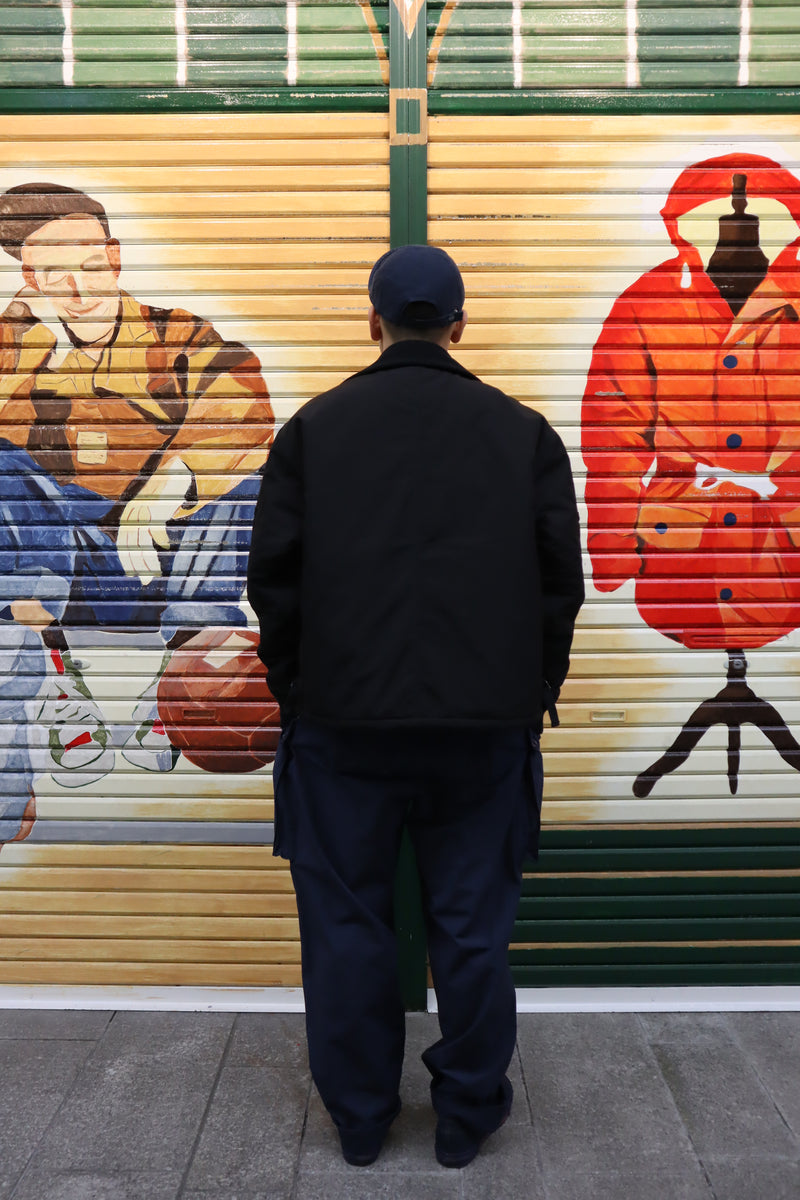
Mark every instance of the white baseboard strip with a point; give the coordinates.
(284, 1000)
(659, 999)
(153, 999)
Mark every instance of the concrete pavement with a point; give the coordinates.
(219, 1106)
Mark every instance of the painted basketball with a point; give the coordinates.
(215, 704)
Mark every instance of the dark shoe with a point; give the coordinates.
(360, 1156)
(361, 1149)
(455, 1146)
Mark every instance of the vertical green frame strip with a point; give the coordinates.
(408, 208)
(408, 123)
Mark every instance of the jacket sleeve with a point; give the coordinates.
(618, 424)
(558, 544)
(274, 567)
(228, 422)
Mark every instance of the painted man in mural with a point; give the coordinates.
(130, 440)
(691, 424)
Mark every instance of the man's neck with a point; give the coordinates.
(94, 348)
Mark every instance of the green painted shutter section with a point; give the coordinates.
(176, 43)
(124, 45)
(473, 45)
(335, 47)
(283, 44)
(31, 45)
(236, 45)
(566, 46)
(642, 906)
(682, 46)
(477, 47)
(774, 44)
(616, 44)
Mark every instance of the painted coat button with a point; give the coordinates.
(729, 518)
(661, 527)
(726, 594)
(733, 441)
(730, 361)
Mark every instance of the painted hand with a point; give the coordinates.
(31, 613)
(143, 524)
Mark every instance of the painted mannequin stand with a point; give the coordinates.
(733, 706)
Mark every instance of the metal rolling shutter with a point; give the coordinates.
(266, 227)
(550, 218)
(132, 882)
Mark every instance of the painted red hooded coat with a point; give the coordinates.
(691, 435)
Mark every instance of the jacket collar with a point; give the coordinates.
(417, 353)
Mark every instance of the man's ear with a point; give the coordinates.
(29, 275)
(457, 332)
(374, 324)
(113, 252)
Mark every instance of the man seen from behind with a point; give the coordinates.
(416, 572)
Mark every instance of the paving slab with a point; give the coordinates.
(269, 1040)
(363, 1184)
(633, 1185)
(49, 1024)
(597, 1096)
(98, 1185)
(508, 1167)
(36, 1077)
(771, 1043)
(723, 1103)
(226, 1194)
(251, 1136)
(687, 1029)
(141, 1097)
(744, 1179)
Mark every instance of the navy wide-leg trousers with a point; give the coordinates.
(470, 799)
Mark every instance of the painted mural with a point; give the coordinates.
(692, 447)
(132, 437)
(141, 317)
(622, 326)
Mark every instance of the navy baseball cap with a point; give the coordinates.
(413, 275)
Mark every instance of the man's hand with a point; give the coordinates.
(143, 524)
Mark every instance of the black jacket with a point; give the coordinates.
(416, 552)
